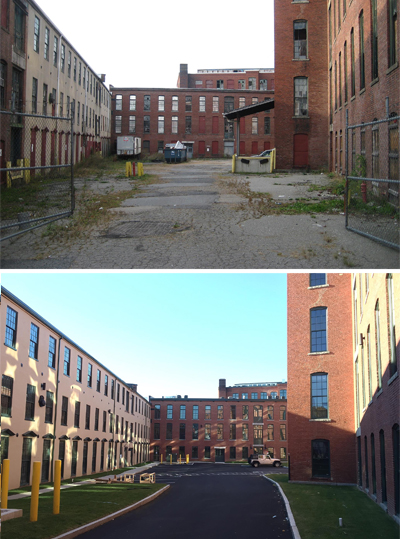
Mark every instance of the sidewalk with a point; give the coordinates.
(138, 470)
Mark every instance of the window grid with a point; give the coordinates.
(318, 329)
(11, 327)
(319, 396)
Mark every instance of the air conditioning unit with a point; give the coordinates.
(52, 98)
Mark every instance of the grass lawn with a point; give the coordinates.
(79, 506)
(317, 509)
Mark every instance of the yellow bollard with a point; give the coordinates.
(161, 458)
(35, 492)
(57, 487)
(27, 173)
(170, 459)
(187, 459)
(4, 484)
(180, 459)
(140, 169)
(128, 169)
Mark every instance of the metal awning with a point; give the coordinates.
(268, 104)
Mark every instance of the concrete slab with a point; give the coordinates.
(9, 514)
(203, 201)
(289, 186)
(231, 199)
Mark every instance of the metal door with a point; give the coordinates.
(300, 150)
(219, 455)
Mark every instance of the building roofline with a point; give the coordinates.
(214, 90)
(33, 313)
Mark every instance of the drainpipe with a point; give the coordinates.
(55, 410)
(58, 77)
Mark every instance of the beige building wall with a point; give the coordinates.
(54, 62)
(25, 365)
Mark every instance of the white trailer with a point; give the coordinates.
(129, 146)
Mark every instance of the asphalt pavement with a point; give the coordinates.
(213, 501)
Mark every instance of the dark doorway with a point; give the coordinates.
(219, 455)
(300, 151)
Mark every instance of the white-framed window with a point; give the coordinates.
(202, 104)
(174, 103)
(132, 124)
(118, 124)
(174, 125)
(118, 102)
(215, 104)
(36, 34)
(161, 124)
(161, 103)
(132, 102)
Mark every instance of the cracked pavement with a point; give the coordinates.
(194, 218)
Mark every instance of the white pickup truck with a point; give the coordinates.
(264, 460)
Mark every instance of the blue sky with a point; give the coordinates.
(171, 333)
(141, 44)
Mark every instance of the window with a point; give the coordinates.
(87, 417)
(98, 380)
(161, 103)
(393, 148)
(207, 452)
(55, 55)
(393, 33)
(146, 102)
(36, 34)
(89, 375)
(157, 411)
(182, 411)
(362, 54)
(182, 431)
(345, 70)
(396, 462)
(245, 431)
(300, 40)
(169, 411)
(146, 124)
(353, 64)
(282, 413)
(79, 369)
(45, 93)
(67, 360)
(392, 329)
(118, 102)
(188, 103)
(3, 74)
(283, 394)
(375, 151)
(195, 431)
(202, 104)
(378, 346)
(156, 431)
(215, 104)
(188, 125)
(232, 431)
(245, 412)
(318, 329)
(320, 458)
(274, 395)
(220, 84)
(374, 40)
(77, 414)
(282, 432)
(26, 460)
(254, 395)
(48, 418)
(242, 102)
(220, 412)
(207, 431)
(52, 353)
(257, 435)
(270, 412)
(207, 412)
(267, 126)
(105, 384)
(161, 124)
(270, 432)
(235, 395)
(263, 395)
(319, 396)
(174, 129)
(383, 466)
(132, 124)
(252, 83)
(118, 124)
(245, 396)
(220, 431)
(195, 411)
(258, 414)
(228, 104)
(195, 452)
(283, 453)
(232, 414)
(6, 395)
(11, 328)
(34, 341)
(46, 43)
(64, 411)
(317, 279)
(301, 96)
(69, 63)
(174, 103)
(118, 390)
(132, 102)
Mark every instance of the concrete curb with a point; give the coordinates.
(295, 531)
(78, 531)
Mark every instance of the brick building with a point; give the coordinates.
(343, 406)
(59, 402)
(330, 58)
(193, 112)
(244, 419)
(42, 73)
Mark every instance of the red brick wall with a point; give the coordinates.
(337, 362)
(208, 137)
(316, 126)
(201, 443)
(368, 103)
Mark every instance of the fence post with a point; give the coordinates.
(4, 484)
(170, 458)
(35, 492)
(57, 487)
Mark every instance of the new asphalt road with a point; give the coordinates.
(214, 501)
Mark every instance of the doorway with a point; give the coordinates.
(219, 454)
(300, 151)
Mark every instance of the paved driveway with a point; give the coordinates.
(206, 501)
(193, 218)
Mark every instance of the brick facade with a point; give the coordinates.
(199, 112)
(335, 360)
(221, 429)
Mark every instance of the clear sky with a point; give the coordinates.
(141, 44)
(171, 333)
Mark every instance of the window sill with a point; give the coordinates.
(353, 98)
(362, 91)
(375, 81)
(12, 347)
(318, 353)
(300, 59)
(300, 117)
(392, 68)
(34, 359)
(318, 286)
(322, 420)
(379, 392)
(393, 378)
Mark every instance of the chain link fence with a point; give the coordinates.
(373, 181)
(36, 171)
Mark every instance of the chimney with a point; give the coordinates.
(183, 79)
(222, 388)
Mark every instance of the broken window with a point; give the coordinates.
(146, 124)
(220, 84)
(300, 96)
(263, 84)
(188, 125)
(188, 106)
(146, 102)
(252, 83)
(228, 104)
(241, 84)
(300, 40)
(132, 124)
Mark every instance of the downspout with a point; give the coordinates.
(58, 77)
(55, 410)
